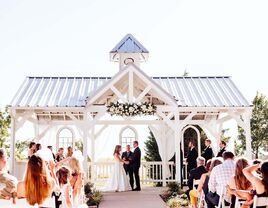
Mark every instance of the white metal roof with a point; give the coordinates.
(74, 91)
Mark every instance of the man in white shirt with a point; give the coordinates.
(219, 177)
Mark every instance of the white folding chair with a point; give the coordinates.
(201, 200)
(6, 203)
(195, 184)
(239, 202)
(260, 201)
(222, 195)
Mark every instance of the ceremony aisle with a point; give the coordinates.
(147, 198)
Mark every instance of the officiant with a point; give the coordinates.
(127, 157)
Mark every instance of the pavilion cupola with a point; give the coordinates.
(129, 50)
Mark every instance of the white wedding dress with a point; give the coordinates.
(118, 181)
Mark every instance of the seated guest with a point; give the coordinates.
(203, 184)
(191, 157)
(64, 175)
(260, 184)
(9, 182)
(196, 173)
(60, 155)
(240, 182)
(38, 185)
(219, 179)
(77, 180)
(32, 149)
(222, 146)
(208, 152)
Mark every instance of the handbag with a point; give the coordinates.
(213, 198)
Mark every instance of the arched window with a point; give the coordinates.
(127, 136)
(65, 138)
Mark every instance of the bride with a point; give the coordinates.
(118, 181)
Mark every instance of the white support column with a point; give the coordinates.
(177, 139)
(36, 131)
(12, 144)
(247, 129)
(164, 155)
(85, 148)
(92, 153)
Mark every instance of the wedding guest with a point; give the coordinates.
(208, 152)
(64, 176)
(60, 155)
(196, 173)
(219, 178)
(240, 182)
(51, 149)
(69, 152)
(38, 185)
(260, 184)
(38, 147)
(9, 181)
(192, 155)
(77, 180)
(222, 146)
(32, 149)
(203, 184)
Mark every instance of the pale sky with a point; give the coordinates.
(73, 38)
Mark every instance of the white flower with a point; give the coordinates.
(150, 108)
(131, 109)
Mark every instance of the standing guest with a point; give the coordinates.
(9, 182)
(192, 155)
(222, 146)
(64, 175)
(203, 184)
(38, 147)
(208, 152)
(126, 156)
(60, 154)
(219, 179)
(32, 149)
(51, 149)
(69, 152)
(38, 185)
(240, 182)
(196, 173)
(77, 180)
(260, 184)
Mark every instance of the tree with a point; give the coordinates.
(151, 148)
(259, 127)
(5, 121)
(224, 137)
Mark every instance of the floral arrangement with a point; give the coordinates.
(178, 201)
(131, 109)
(174, 196)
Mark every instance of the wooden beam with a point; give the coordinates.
(118, 93)
(144, 92)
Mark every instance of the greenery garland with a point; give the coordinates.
(131, 109)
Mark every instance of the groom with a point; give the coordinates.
(135, 164)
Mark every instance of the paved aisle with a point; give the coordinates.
(147, 198)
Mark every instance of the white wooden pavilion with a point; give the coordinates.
(56, 103)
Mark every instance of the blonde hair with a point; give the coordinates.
(38, 184)
(75, 165)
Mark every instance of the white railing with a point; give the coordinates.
(150, 172)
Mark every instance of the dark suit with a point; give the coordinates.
(195, 174)
(127, 156)
(221, 152)
(208, 153)
(191, 159)
(135, 164)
